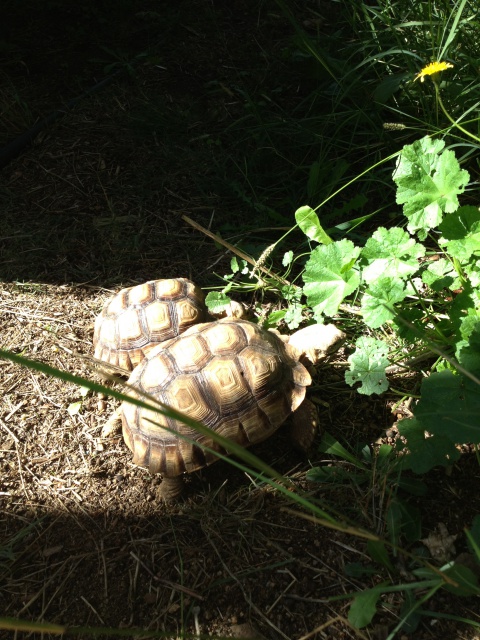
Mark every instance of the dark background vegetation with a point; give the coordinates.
(219, 111)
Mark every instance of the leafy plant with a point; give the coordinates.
(370, 469)
(421, 286)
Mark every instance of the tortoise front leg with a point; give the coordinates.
(304, 426)
(113, 425)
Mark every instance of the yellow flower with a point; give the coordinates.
(431, 69)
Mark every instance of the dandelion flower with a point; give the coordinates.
(431, 69)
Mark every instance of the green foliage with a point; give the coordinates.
(429, 180)
(330, 276)
(420, 285)
(398, 38)
(308, 221)
(217, 302)
(367, 366)
(364, 606)
(388, 270)
(380, 467)
(391, 253)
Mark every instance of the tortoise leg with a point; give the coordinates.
(304, 426)
(171, 488)
(113, 424)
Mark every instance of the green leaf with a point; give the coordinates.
(217, 302)
(472, 272)
(461, 233)
(468, 351)
(239, 265)
(355, 204)
(358, 570)
(388, 86)
(463, 314)
(450, 407)
(364, 606)
(367, 365)
(403, 519)
(287, 258)
(391, 253)
(393, 521)
(336, 475)
(384, 455)
(327, 284)
(440, 274)
(291, 292)
(413, 486)
(408, 324)
(467, 581)
(294, 316)
(74, 408)
(470, 318)
(379, 299)
(273, 319)
(425, 453)
(428, 179)
(308, 221)
(234, 265)
(332, 446)
(409, 613)
(474, 535)
(378, 552)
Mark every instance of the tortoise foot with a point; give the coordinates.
(171, 488)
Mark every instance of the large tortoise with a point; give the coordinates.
(138, 318)
(233, 376)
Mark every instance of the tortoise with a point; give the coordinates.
(240, 380)
(138, 318)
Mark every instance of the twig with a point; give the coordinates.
(329, 623)
(167, 583)
(93, 609)
(10, 433)
(277, 600)
(248, 600)
(235, 250)
(408, 364)
(344, 307)
(14, 410)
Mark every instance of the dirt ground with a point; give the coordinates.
(98, 547)
(95, 205)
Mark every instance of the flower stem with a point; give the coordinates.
(455, 124)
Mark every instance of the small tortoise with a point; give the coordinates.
(137, 319)
(234, 377)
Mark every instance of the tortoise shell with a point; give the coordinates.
(231, 375)
(138, 318)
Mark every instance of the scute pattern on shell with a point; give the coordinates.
(231, 375)
(138, 318)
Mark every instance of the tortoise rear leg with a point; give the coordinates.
(171, 488)
(304, 426)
